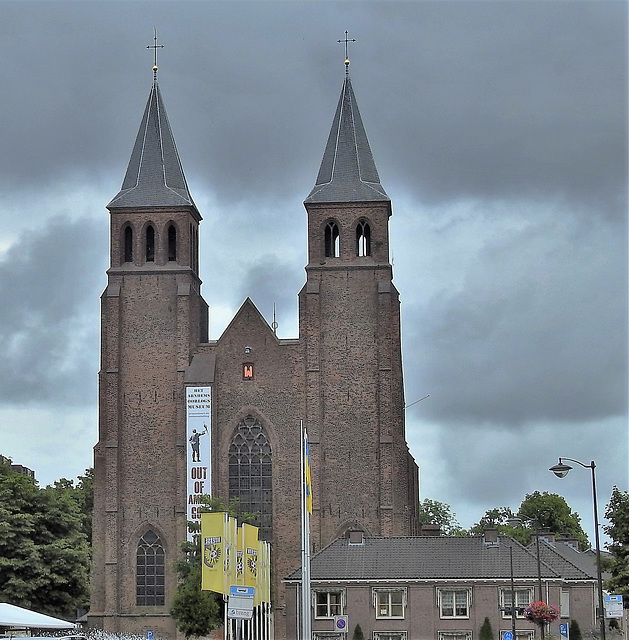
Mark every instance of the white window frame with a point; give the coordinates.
(328, 592)
(520, 634)
(389, 635)
(454, 635)
(505, 600)
(564, 603)
(377, 592)
(453, 590)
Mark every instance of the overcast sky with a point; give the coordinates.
(499, 130)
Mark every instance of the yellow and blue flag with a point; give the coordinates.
(308, 478)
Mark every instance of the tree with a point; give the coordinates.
(486, 632)
(550, 511)
(575, 631)
(44, 552)
(496, 518)
(197, 612)
(439, 513)
(617, 513)
(358, 633)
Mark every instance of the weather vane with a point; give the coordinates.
(155, 47)
(346, 54)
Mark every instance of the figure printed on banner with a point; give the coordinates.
(194, 443)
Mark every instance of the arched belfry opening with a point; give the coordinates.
(332, 240)
(150, 243)
(363, 238)
(250, 469)
(172, 242)
(128, 243)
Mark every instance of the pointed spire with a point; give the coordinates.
(348, 172)
(154, 176)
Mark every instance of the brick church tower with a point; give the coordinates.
(342, 376)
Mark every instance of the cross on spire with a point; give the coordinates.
(155, 47)
(346, 54)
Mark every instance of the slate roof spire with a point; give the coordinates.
(154, 176)
(348, 172)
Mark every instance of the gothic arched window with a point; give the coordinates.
(128, 244)
(150, 243)
(250, 473)
(172, 242)
(149, 579)
(363, 239)
(332, 240)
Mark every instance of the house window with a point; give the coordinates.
(363, 239)
(250, 473)
(332, 240)
(128, 244)
(523, 598)
(389, 635)
(172, 242)
(150, 244)
(454, 635)
(150, 571)
(389, 603)
(564, 603)
(519, 635)
(454, 603)
(328, 604)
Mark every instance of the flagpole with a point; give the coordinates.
(305, 540)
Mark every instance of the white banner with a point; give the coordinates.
(198, 438)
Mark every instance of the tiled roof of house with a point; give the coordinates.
(154, 176)
(348, 172)
(425, 558)
(568, 561)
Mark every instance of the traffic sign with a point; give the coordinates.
(340, 623)
(564, 630)
(613, 606)
(508, 635)
(239, 614)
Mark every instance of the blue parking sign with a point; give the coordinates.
(563, 630)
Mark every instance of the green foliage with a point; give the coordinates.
(550, 512)
(194, 611)
(358, 633)
(575, 631)
(435, 512)
(486, 632)
(44, 550)
(496, 519)
(617, 513)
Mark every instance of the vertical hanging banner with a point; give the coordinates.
(250, 541)
(198, 442)
(213, 551)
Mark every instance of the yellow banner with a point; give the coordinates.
(240, 558)
(231, 547)
(213, 551)
(250, 541)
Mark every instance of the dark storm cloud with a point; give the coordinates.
(48, 338)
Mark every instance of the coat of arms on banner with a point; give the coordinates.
(212, 551)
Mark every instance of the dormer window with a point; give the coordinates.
(128, 244)
(172, 242)
(363, 239)
(332, 240)
(150, 244)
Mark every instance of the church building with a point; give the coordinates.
(181, 415)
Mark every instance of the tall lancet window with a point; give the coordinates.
(172, 242)
(332, 240)
(150, 243)
(149, 579)
(128, 244)
(363, 239)
(250, 473)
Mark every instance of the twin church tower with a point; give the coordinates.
(246, 392)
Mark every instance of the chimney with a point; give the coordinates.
(430, 530)
(490, 537)
(356, 537)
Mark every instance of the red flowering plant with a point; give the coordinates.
(541, 613)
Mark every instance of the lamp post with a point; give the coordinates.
(518, 520)
(561, 470)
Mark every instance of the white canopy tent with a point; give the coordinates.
(12, 616)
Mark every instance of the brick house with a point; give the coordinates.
(440, 587)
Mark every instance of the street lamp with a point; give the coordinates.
(561, 470)
(514, 522)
